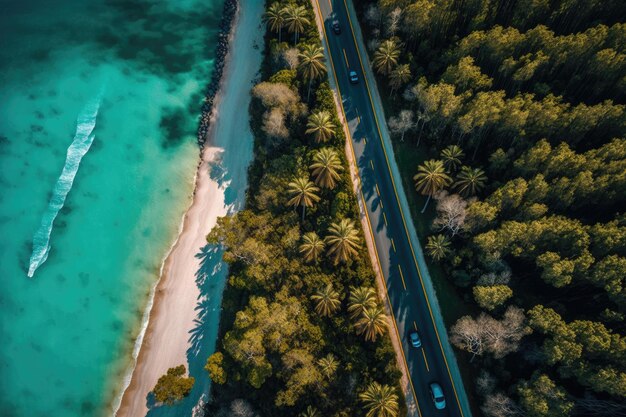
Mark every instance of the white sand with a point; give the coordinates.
(229, 148)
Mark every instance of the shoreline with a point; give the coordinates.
(202, 193)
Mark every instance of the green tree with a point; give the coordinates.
(302, 193)
(386, 56)
(380, 400)
(275, 18)
(491, 296)
(399, 76)
(372, 323)
(296, 19)
(328, 365)
(541, 397)
(343, 241)
(360, 299)
(309, 412)
(438, 246)
(431, 177)
(320, 126)
(326, 168)
(452, 156)
(470, 181)
(215, 367)
(312, 246)
(311, 64)
(173, 386)
(326, 300)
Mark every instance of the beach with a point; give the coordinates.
(185, 311)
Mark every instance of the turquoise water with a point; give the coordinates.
(98, 108)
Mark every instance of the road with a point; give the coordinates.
(403, 272)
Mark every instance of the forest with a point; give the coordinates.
(513, 114)
(303, 330)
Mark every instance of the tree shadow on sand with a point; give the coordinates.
(210, 279)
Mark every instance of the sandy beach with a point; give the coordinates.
(185, 312)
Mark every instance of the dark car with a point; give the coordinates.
(414, 337)
(354, 78)
(336, 27)
(436, 393)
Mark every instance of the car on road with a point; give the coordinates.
(414, 337)
(436, 393)
(354, 78)
(336, 27)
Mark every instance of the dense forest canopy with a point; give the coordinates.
(517, 112)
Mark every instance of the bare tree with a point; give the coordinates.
(274, 123)
(393, 21)
(485, 383)
(467, 334)
(241, 408)
(373, 15)
(450, 212)
(493, 278)
(402, 123)
(499, 405)
(594, 407)
(290, 57)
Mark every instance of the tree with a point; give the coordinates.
(431, 177)
(309, 412)
(402, 123)
(450, 212)
(328, 365)
(275, 18)
(386, 56)
(540, 397)
(360, 299)
(326, 300)
(296, 18)
(173, 386)
(312, 64)
(470, 181)
(372, 323)
(326, 168)
(438, 247)
(343, 240)
(491, 296)
(215, 367)
(399, 76)
(302, 193)
(320, 126)
(312, 246)
(380, 400)
(451, 156)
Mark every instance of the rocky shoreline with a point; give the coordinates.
(228, 15)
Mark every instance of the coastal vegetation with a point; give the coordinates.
(511, 116)
(173, 386)
(303, 331)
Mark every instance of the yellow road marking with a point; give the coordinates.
(330, 4)
(364, 141)
(385, 218)
(401, 212)
(346, 58)
(380, 201)
(372, 164)
(393, 245)
(414, 324)
(358, 118)
(401, 275)
(377, 190)
(425, 361)
(369, 222)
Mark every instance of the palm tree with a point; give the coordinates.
(312, 64)
(372, 323)
(312, 246)
(430, 178)
(320, 126)
(343, 240)
(309, 412)
(302, 193)
(326, 167)
(452, 156)
(328, 365)
(326, 300)
(380, 400)
(438, 246)
(360, 300)
(386, 56)
(296, 19)
(399, 76)
(470, 181)
(275, 18)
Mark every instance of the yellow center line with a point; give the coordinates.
(369, 222)
(393, 245)
(414, 324)
(358, 118)
(402, 213)
(425, 361)
(402, 276)
(377, 190)
(346, 58)
(371, 163)
(385, 218)
(364, 140)
(380, 201)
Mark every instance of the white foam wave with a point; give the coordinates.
(83, 139)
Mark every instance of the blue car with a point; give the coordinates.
(354, 78)
(414, 337)
(437, 395)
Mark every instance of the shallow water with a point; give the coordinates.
(68, 332)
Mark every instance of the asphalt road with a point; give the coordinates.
(407, 295)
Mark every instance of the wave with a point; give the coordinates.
(85, 124)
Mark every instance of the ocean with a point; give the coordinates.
(98, 110)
